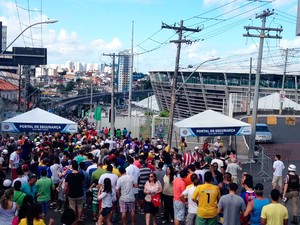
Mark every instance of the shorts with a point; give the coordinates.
(277, 180)
(95, 208)
(73, 202)
(179, 210)
(150, 208)
(106, 211)
(206, 221)
(141, 195)
(127, 207)
(190, 219)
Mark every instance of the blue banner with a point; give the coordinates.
(39, 127)
(219, 131)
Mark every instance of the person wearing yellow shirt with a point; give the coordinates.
(274, 213)
(206, 196)
(36, 216)
(114, 171)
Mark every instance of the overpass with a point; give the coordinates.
(99, 97)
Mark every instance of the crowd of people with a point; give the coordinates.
(119, 177)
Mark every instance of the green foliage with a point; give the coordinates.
(149, 113)
(164, 113)
(70, 86)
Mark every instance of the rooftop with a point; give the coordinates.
(6, 86)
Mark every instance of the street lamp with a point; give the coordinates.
(209, 60)
(2, 53)
(172, 104)
(32, 25)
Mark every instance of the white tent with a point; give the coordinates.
(148, 103)
(272, 102)
(38, 120)
(211, 123)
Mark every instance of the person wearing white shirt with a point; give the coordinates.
(125, 193)
(113, 178)
(192, 206)
(278, 167)
(134, 171)
(219, 162)
(14, 162)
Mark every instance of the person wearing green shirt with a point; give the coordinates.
(118, 133)
(18, 194)
(80, 157)
(44, 185)
(97, 173)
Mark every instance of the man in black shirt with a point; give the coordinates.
(73, 189)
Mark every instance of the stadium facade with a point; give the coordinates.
(199, 90)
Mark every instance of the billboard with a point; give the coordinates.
(30, 56)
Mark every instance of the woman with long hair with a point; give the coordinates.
(176, 163)
(168, 195)
(27, 202)
(35, 216)
(108, 196)
(8, 208)
(152, 187)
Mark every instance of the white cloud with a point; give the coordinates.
(281, 3)
(295, 43)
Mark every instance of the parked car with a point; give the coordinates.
(263, 133)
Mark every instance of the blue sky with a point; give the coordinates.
(89, 28)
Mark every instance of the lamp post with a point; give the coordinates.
(32, 25)
(2, 53)
(209, 60)
(172, 104)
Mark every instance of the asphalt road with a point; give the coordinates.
(281, 132)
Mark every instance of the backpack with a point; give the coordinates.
(293, 183)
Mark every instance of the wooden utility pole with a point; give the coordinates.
(264, 33)
(179, 30)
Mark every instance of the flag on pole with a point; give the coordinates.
(97, 113)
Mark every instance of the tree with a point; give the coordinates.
(70, 86)
(164, 113)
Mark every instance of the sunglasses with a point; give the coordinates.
(151, 176)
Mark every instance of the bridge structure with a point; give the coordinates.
(104, 98)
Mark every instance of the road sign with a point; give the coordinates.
(281, 95)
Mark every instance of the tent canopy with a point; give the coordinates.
(38, 120)
(148, 102)
(211, 123)
(272, 102)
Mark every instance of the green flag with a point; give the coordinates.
(97, 113)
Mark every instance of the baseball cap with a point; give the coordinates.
(7, 183)
(259, 187)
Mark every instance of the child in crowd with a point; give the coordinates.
(108, 196)
(95, 202)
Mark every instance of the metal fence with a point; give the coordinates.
(266, 165)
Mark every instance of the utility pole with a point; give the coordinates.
(112, 103)
(264, 33)
(179, 30)
(91, 97)
(130, 75)
(249, 89)
(282, 92)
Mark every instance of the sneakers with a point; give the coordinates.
(164, 221)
